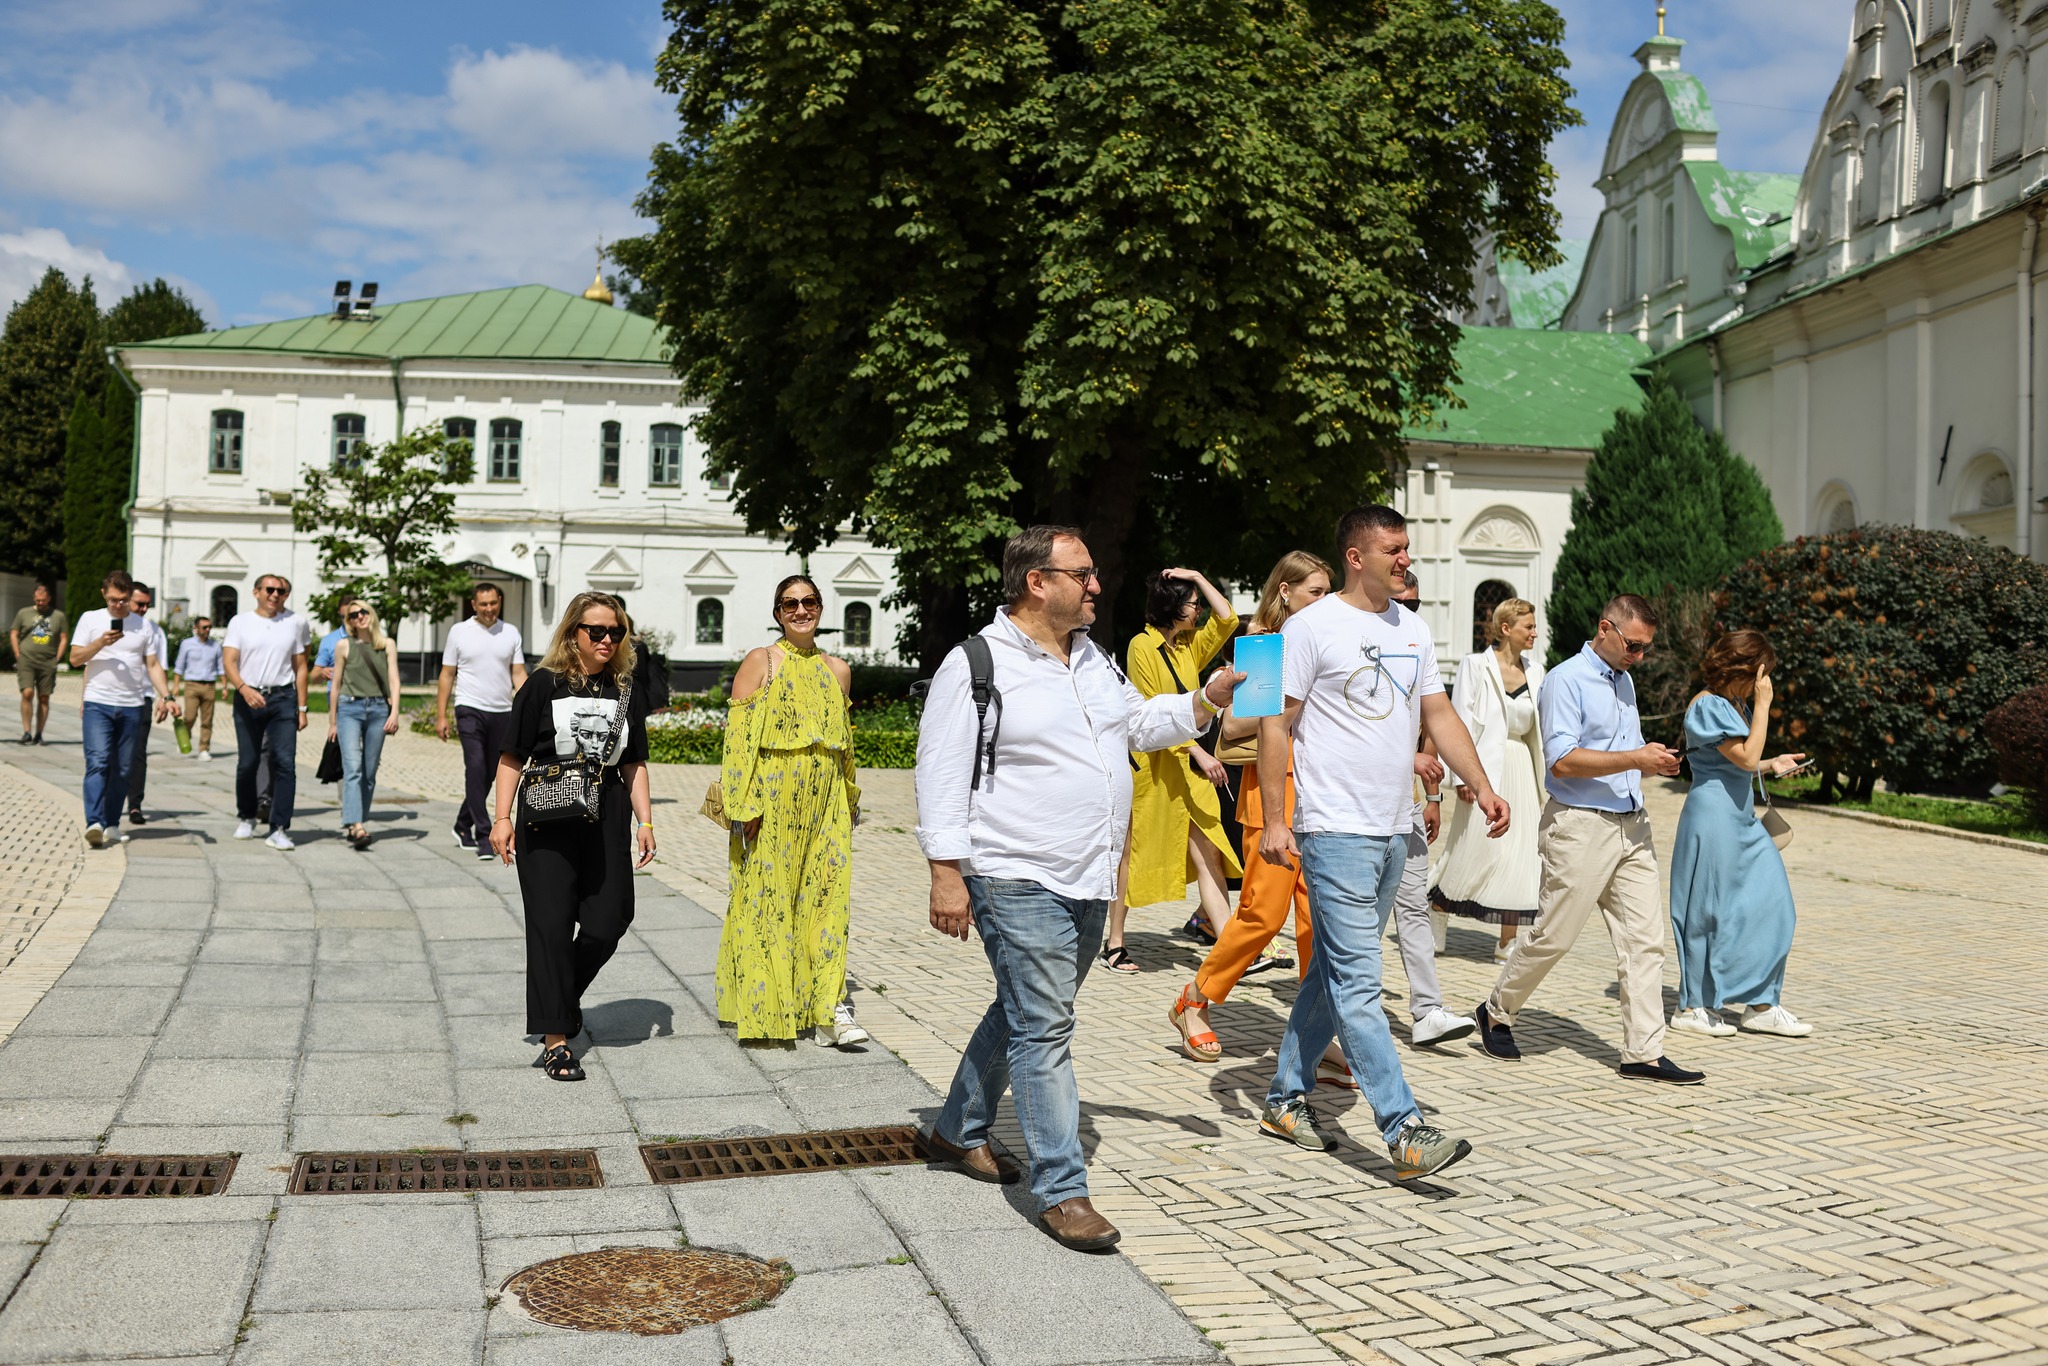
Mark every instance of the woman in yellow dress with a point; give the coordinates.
(1177, 834)
(789, 791)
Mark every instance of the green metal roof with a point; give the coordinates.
(1755, 207)
(1536, 298)
(526, 322)
(1691, 110)
(1538, 388)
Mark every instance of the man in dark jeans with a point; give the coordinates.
(264, 657)
(482, 666)
(139, 603)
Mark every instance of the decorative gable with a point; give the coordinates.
(711, 570)
(222, 562)
(858, 574)
(613, 573)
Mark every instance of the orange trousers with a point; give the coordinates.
(1261, 904)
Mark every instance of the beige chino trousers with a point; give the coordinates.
(1604, 859)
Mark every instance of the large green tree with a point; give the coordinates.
(1175, 270)
(1666, 508)
(49, 355)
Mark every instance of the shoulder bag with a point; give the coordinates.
(1775, 825)
(572, 789)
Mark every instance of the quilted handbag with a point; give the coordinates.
(571, 789)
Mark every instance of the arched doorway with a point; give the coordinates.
(1490, 594)
(223, 605)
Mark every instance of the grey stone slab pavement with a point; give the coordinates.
(242, 1000)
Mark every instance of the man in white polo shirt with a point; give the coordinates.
(482, 665)
(264, 656)
(123, 675)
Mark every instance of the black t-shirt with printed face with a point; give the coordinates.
(550, 718)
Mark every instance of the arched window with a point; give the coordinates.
(349, 441)
(860, 626)
(1934, 144)
(608, 456)
(1485, 598)
(504, 462)
(664, 456)
(224, 456)
(460, 435)
(711, 622)
(224, 604)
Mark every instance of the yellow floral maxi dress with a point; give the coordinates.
(789, 761)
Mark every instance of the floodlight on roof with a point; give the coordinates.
(341, 289)
(369, 294)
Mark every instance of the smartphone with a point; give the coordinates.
(1258, 658)
(1794, 772)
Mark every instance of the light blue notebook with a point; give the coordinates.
(1258, 658)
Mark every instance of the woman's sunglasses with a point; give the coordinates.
(358, 614)
(792, 604)
(597, 633)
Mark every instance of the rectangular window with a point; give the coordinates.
(225, 456)
(665, 455)
(459, 431)
(504, 461)
(349, 441)
(1634, 247)
(720, 482)
(608, 456)
(1670, 242)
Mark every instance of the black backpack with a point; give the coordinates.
(981, 685)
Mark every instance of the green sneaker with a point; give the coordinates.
(1296, 1123)
(1422, 1149)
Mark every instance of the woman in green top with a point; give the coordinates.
(360, 711)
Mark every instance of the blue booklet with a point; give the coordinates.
(1258, 658)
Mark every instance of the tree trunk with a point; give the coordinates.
(1112, 510)
(941, 623)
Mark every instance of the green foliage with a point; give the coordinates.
(396, 504)
(49, 355)
(2018, 730)
(1174, 270)
(1669, 676)
(1894, 644)
(1666, 507)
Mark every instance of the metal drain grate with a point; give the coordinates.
(545, 1169)
(111, 1176)
(721, 1159)
(645, 1290)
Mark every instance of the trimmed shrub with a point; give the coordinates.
(1894, 645)
(2019, 737)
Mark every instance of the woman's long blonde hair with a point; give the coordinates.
(562, 659)
(1294, 566)
(376, 634)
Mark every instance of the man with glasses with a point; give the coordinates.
(482, 666)
(264, 656)
(1595, 844)
(139, 602)
(1022, 813)
(198, 671)
(117, 650)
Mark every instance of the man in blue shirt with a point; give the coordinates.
(1595, 844)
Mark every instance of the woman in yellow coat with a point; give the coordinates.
(1177, 832)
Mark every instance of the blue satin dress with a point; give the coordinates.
(1731, 903)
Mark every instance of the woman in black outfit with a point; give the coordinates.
(576, 877)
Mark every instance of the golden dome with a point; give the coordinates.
(597, 293)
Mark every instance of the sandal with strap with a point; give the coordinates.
(1198, 929)
(1199, 1045)
(1118, 959)
(560, 1064)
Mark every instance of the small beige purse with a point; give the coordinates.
(1775, 825)
(713, 809)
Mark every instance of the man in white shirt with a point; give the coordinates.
(1360, 678)
(139, 603)
(1022, 815)
(123, 675)
(482, 665)
(264, 657)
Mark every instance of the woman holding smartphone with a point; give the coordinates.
(1731, 903)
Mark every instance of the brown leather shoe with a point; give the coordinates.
(985, 1162)
(1076, 1225)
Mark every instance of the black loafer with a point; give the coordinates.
(1497, 1040)
(1664, 1070)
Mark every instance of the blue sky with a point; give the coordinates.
(254, 151)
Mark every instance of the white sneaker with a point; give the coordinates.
(1440, 1026)
(95, 834)
(280, 840)
(1776, 1020)
(246, 830)
(203, 757)
(842, 1032)
(1700, 1020)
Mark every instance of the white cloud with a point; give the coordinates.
(535, 102)
(26, 255)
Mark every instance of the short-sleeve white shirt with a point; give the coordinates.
(118, 676)
(1361, 677)
(266, 646)
(483, 661)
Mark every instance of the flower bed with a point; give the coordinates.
(884, 734)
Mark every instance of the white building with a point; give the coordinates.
(588, 472)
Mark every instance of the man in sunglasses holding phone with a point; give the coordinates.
(1595, 844)
(264, 657)
(482, 665)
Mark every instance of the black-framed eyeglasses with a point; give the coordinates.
(1080, 576)
(1634, 647)
(808, 604)
(597, 633)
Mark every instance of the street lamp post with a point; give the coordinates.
(541, 560)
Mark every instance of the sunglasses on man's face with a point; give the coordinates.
(807, 604)
(138, 606)
(597, 633)
(1634, 647)
(273, 589)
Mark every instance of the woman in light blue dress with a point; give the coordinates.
(1731, 904)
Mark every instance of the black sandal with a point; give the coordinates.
(560, 1064)
(1198, 928)
(1118, 959)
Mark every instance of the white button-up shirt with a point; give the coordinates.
(1058, 805)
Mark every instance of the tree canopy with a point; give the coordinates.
(49, 355)
(1177, 271)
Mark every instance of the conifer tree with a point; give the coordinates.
(49, 355)
(1666, 506)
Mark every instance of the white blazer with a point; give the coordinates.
(1481, 698)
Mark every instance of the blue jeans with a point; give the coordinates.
(276, 724)
(359, 726)
(1040, 945)
(112, 737)
(1352, 881)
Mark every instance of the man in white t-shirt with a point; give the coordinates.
(139, 604)
(123, 675)
(1360, 678)
(264, 657)
(482, 665)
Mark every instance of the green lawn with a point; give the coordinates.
(2006, 816)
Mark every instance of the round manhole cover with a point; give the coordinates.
(644, 1290)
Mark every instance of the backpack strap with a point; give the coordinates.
(981, 684)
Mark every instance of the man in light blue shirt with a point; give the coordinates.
(198, 672)
(1595, 844)
(323, 658)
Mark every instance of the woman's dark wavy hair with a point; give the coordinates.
(1732, 663)
(1166, 599)
(775, 603)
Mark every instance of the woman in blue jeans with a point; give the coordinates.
(360, 711)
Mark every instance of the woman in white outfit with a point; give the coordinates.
(1495, 880)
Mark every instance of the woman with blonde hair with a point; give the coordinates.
(789, 791)
(1495, 880)
(578, 708)
(362, 709)
(1269, 888)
